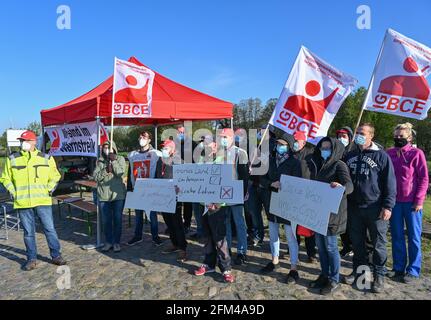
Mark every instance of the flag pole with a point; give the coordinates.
(260, 143)
(370, 84)
(112, 107)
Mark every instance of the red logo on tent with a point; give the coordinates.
(415, 86)
(55, 145)
(132, 94)
(312, 110)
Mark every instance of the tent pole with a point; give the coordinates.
(43, 140)
(155, 136)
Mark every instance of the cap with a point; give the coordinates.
(168, 143)
(28, 135)
(282, 140)
(226, 132)
(300, 135)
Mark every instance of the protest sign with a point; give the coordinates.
(208, 183)
(306, 202)
(152, 195)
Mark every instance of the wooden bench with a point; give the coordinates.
(65, 199)
(87, 207)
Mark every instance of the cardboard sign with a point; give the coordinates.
(208, 183)
(152, 195)
(306, 202)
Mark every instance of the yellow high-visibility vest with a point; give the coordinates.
(30, 177)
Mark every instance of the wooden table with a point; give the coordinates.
(85, 183)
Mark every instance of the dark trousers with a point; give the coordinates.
(347, 243)
(361, 220)
(175, 225)
(310, 245)
(216, 248)
(187, 214)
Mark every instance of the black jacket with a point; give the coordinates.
(303, 156)
(290, 167)
(332, 170)
(373, 178)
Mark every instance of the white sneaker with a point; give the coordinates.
(117, 247)
(107, 247)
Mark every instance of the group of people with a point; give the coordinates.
(382, 188)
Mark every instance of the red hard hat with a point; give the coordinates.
(28, 135)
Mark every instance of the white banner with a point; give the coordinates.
(133, 88)
(399, 85)
(208, 183)
(306, 202)
(311, 97)
(78, 139)
(152, 195)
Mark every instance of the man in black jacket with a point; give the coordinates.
(370, 204)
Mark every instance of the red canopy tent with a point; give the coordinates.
(171, 102)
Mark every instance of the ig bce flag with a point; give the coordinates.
(399, 85)
(311, 97)
(133, 87)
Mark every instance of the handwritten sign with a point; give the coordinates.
(306, 202)
(208, 183)
(152, 195)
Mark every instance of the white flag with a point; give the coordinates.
(311, 97)
(399, 85)
(133, 87)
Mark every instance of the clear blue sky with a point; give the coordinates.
(230, 49)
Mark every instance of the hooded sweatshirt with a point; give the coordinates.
(110, 186)
(411, 172)
(332, 170)
(373, 178)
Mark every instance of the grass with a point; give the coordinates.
(427, 210)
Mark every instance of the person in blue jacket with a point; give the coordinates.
(370, 204)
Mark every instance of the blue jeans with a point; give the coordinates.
(112, 217)
(292, 243)
(27, 217)
(198, 210)
(258, 198)
(139, 224)
(236, 213)
(329, 256)
(401, 213)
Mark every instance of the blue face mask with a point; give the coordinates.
(296, 146)
(325, 154)
(282, 149)
(165, 153)
(360, 139)
(237, 139)
(181, 136)
(224, 142)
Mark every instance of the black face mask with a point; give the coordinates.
(400, 142)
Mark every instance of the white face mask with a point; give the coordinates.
(106, 151)
(344, 141)
(25, 146)
(143, 142)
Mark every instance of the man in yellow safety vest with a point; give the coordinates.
(31, 176)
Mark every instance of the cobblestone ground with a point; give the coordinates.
(142, 272)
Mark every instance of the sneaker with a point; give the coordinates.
(319, 283)
(270, 267)
(59, 261)
(349, 279)
(346, 252)
(107, 247)
(395, 275)
(409, 279)
(330, 287)
(292, 277)
(157, 242)
(30, 265)
(204, 269)
(228, 277)
(378, 284)
(182, 256)
(135, 240)
(117, 247)
(171, 250)
(241, 259)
